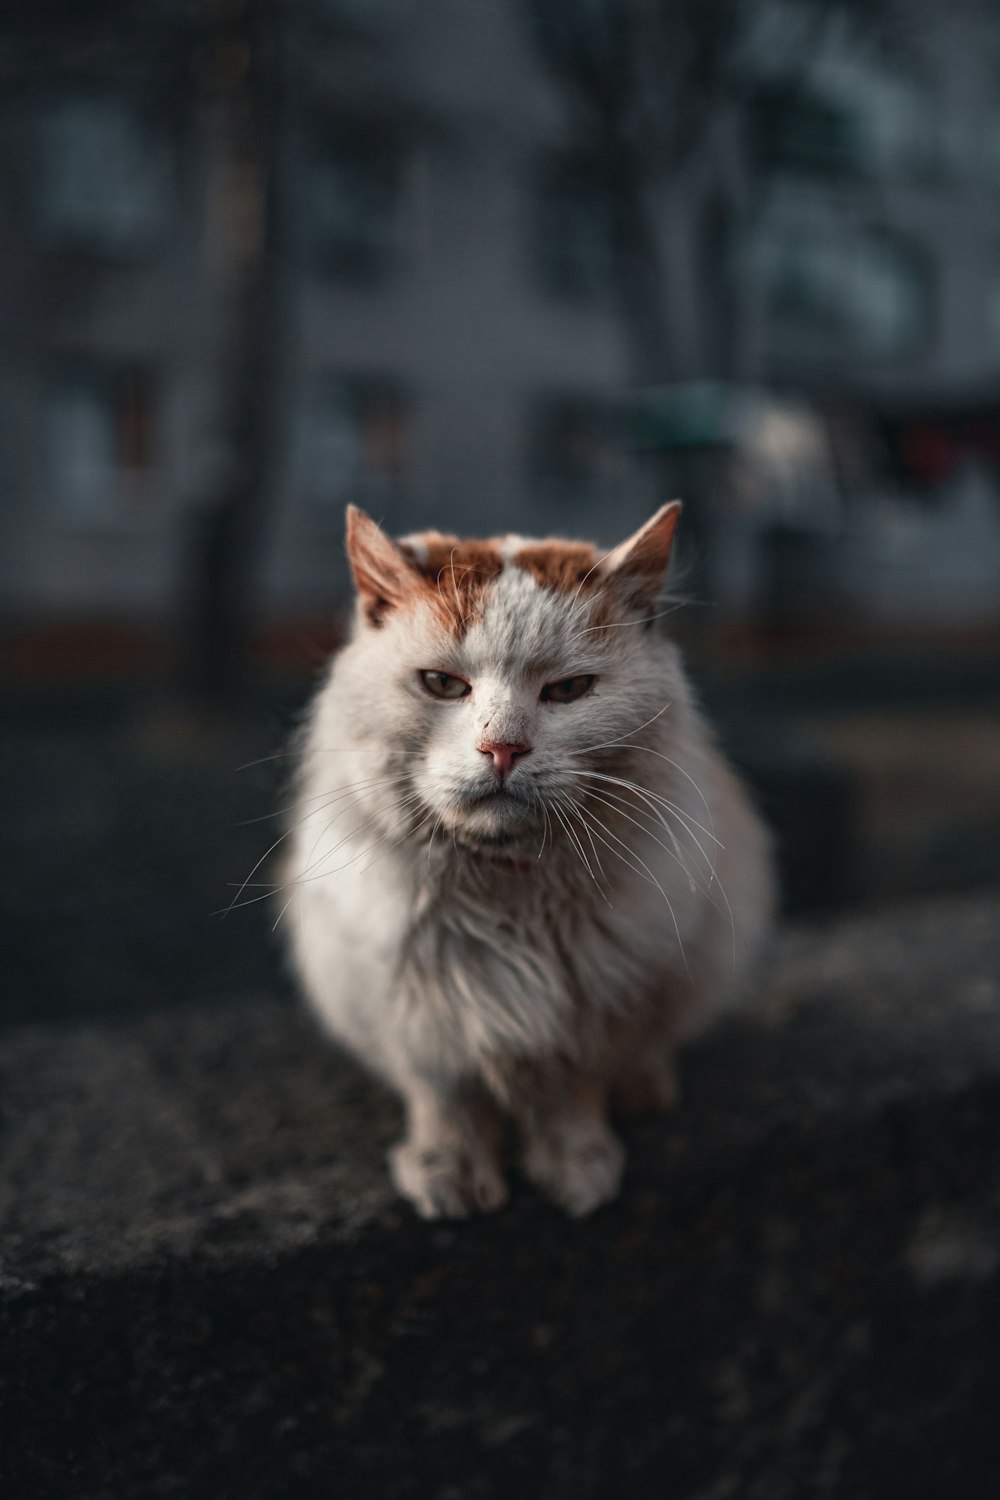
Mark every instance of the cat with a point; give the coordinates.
(520, 871)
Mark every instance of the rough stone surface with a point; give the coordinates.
(209, 1290)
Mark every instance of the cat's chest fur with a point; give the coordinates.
(500, 963)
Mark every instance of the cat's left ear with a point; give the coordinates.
(637, 565)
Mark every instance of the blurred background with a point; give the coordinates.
(484, 265)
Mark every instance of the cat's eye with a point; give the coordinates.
(568, 689)
(444, 685)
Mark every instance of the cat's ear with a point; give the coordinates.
(383, 576)
(636, 567)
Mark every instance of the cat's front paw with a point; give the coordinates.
(450, 1181)
(580, 1169)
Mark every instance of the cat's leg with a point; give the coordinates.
(647, 1084)
(644, 1080)
(571, 1152)
(448, 1164)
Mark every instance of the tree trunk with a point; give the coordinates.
(225, 538)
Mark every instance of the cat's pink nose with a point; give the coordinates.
(504, 756)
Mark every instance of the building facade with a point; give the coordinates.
(452, 349)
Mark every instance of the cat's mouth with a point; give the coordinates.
(508, 849)
(495, 820)
(497, 798)
(490, 842)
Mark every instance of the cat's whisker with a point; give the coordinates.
(578, 847)
(584, 608)
(560, 817)
(267, 817)
(328, 824)
(624, 624)
(374, 844)
(628, 786)
(686, 823)
(251, 900)
(430, 842)
(282, 911)
(610, 799)
(649, 875)
(600, 561)
(546, 830)
(570, 802)
(648, 750)
(564, 804)
(317, 797)
(607, 744)
(268, 852)
(380, 840)
(264, 856)
(618, 804)
(392, 781)
(653, 797)
(408, 801)
(311, 814)
(313, 750)
(306, 877)
(714, 880)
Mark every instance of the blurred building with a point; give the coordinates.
(451, 347)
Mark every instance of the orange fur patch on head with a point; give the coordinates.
(443, 573)
(618, 581)
(451, 575)
(562, 566)
(456, 574)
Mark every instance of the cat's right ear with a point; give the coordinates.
(383, 575)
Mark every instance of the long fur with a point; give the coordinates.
(530, 947)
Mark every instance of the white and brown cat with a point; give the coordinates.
(521, 872)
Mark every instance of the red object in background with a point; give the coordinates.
(982, 437)
(134, 421)
(929, 452)
(929, 449)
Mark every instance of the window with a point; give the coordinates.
(350, 441)
(574, 239)
(103, 179)
(352, 197)
(908, 129)
(98, 442)
(796, 128)
(841, 288)
(828, 100)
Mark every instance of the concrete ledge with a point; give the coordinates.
(209, 1289)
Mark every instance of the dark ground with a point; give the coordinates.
(209, 1291)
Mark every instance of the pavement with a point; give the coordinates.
(208, 1289)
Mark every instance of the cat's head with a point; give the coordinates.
(501, 668)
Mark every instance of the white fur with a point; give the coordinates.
(486, 979)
